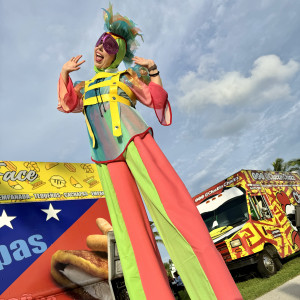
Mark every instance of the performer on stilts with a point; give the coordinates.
(130, 162)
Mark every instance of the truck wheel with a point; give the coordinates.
(278, 264)
(273, 253)
(266, 265)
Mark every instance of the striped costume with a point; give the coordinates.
(129, 162)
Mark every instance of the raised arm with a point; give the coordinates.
(69, 97)
(152, 68)
(70, 66)
(152, 95)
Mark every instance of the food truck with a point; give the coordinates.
(55, 234)
(251, 218)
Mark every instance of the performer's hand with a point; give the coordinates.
(147, 63)
(70, 66)
(73, 64)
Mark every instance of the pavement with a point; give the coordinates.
(288, 291)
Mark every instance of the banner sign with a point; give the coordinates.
(39, 181)
(48, 211)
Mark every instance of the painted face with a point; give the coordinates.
(102, 59)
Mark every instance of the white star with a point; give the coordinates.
(51, 212)
(5, 220)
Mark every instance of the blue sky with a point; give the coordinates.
(231, 68)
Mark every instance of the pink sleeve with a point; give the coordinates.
(69, 98)
(156, 97)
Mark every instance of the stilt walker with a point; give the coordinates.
(130, 162)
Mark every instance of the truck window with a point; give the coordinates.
(259, 207)
(209, 218)
(231, 213)
(253, 211)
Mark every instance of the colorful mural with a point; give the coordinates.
(261, 209)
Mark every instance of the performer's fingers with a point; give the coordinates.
(78, 64)
(103, 225)
(97, 242)
(77, 58)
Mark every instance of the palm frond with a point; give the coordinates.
(155, 233)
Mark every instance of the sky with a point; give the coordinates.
(231, 69)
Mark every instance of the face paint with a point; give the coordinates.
(109, 43)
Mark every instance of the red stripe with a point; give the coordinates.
(185, 216)
(151, 269)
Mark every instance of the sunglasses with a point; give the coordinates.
(109, 43)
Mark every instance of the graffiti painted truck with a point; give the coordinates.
(251, 218)
(55, 236)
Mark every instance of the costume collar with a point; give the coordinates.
(108, 70)
(113, 70)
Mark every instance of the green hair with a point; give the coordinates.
(127, 31)
(125, 28)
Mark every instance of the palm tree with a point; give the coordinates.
(168, 267)
(294, 165)
(290, 166)
(279, 165)
(155, 233)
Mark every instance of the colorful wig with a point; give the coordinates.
(127, 31)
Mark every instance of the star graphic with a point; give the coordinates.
(51, 212)
(5, 220)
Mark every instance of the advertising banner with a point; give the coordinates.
(53, 225)
(39, 181)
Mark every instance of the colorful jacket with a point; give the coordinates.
(108, 101)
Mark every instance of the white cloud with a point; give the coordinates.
(293, 111)
(225, 125)
(268, 81)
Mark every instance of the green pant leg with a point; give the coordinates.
(129, 266)
(180, 251)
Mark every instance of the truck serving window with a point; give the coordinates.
(232, 212)
(259, 207)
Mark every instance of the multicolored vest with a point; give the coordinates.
(114, 85)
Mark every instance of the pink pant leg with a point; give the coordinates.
(182, 212)
(151, 269)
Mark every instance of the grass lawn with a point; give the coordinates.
(183, 295)
(256, 287)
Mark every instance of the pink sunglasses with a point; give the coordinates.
(109, 43)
